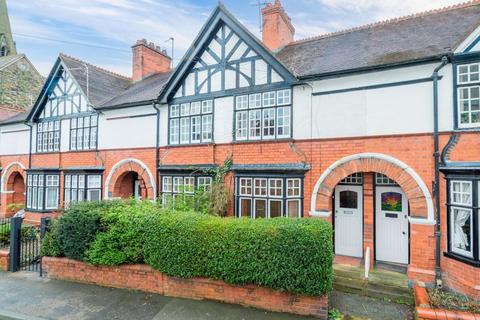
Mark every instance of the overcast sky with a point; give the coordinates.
(102, 31)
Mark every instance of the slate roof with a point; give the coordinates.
(103, 84)
(145, 90)
(416, 37)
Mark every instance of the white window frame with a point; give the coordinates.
(469, 73)
(191, 123)
(460, 101)
(461, 193)
(452, 228)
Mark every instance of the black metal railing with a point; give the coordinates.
(4, 233)
(25, 243)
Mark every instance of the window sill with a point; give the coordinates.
(472, 129)
(202, 144)
(462, 259)
(48, 152)
(79, 151)
(41, 211)
(263, 141)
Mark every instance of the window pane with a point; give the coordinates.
(269, 123)
(245, 186)
(94, 181)
(195, 125)
(184, 130)
(207, 106)
(174, 131)
(241, 125)
(276, 207)
(255, 124)
(94, 195)
(196, 107)
(391, 201)
(255, 100)
(269, 99)
(293, 208)
(167, 184)
(461, 231)
(174, 110)
(293, 188)
(241, 102)
(260, 208)
(276, 187)
(283, 122)
(51, 195)
(245, 208)
(283, 97)
(207, 128)
(260, 187)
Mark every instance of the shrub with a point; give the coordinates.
(120, 240)
(78, 226)
(287, 254)
(50, 245)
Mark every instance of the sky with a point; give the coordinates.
(102, 32)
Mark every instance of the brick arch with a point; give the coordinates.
(420, 200)
(8, 173)
(122, 167)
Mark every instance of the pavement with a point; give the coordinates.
(355, 307)
(26, 296)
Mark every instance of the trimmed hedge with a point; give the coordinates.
(120, 240)
(295, 255)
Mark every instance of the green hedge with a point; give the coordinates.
(294, 255)
(287, 254)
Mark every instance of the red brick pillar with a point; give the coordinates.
(368, 214)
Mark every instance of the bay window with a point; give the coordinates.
(42, 191)
(182, 186)
(268, 197)
(468, 95)
(79, 187)
(264, 115)
(191, 123)
(463, 217)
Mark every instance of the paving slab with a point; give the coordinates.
(358, 307)
(26, 296)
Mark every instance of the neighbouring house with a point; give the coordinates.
(20, 82)
(375, 129)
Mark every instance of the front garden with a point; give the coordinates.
(287, 255)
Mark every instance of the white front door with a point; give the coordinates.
(391, 225)
(348, 221)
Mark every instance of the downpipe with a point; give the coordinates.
(436, 185)
(157, 148)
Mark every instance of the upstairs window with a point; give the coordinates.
(263, 116)
(83, 133)
(191, 123)
(48, 136)
(468, 95)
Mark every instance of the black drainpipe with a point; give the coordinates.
(30, 146)
(436, 156)
(157, 149)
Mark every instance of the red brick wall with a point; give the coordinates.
(144, 278)
(4, 259)
(368, 215)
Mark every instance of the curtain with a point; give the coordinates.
(460, 238)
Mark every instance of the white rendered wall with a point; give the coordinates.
(118, 130)
(14, 139)
(223, 117)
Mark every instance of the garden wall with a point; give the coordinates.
(145, 278)
(4, 259)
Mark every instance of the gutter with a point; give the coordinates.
(436, 157)
(157, 148)
(30, 145)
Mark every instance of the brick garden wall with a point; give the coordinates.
(145, 278)
(4, 259)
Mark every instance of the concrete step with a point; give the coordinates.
(381, 284)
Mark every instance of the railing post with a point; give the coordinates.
(15, 239)
(44, 222)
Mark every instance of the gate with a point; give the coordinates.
(25, 241)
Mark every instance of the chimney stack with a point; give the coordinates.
(148, 59)
(277, 30)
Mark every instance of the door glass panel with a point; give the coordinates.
(260, 208)
(349, 199)
(392, 201)
(293, 208)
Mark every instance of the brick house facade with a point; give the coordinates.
(384, 144)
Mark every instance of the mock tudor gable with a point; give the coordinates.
(224, 57)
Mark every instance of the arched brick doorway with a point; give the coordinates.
(130, 178)
(13, 188)
(419, 198)
(420, 236)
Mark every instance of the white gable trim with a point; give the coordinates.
(469, 42)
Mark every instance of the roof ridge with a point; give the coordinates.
(388, 21)
(96, 67)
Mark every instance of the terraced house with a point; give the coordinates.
(375, 129)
